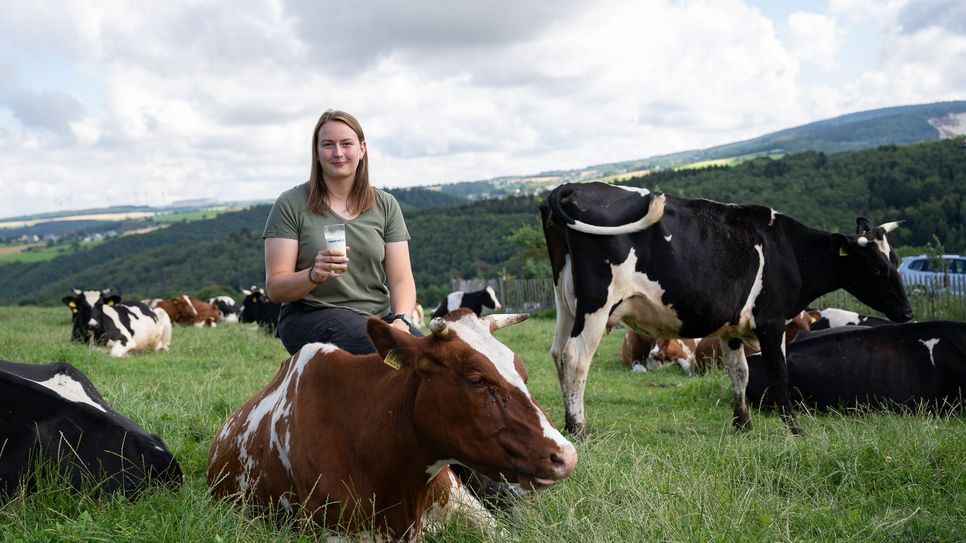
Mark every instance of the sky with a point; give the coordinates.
(147, 103)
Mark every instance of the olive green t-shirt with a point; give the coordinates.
(362, 287)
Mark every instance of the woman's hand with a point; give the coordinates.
(400, 324)
(330, 263)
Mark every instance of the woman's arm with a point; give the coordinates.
(286, 284)
(399, 276)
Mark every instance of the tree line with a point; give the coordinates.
(924, 184)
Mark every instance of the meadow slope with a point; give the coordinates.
(662, 462)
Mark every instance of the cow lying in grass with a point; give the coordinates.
(52, 413)
(355, 442)
(898, 366)
(100, 317)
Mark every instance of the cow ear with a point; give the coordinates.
(68, 300)
(112, 300)
(395, 347)
(840, 245)
(863, 226)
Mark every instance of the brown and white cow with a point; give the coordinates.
(672, 351)
(634, 350)
(708, 355)
(418, 316)
(192, 311)
(354, 442)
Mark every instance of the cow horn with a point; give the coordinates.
(862, 241)
(500, 320)
(890, 226)
(438, 327)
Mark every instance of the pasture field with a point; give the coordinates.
(661, 463)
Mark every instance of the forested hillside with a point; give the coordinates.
(924, 184)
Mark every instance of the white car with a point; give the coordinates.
(918, 270)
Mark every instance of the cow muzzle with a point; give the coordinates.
(561, 464)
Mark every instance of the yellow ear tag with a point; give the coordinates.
(110, 303)
(392, 360)
(842, 252)
(72, 304)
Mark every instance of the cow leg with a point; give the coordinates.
(733, 353)
(773, 356)
(573, 365)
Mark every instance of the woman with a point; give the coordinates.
(323, 298)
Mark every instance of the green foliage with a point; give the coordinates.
(661, 463)
(924, 184)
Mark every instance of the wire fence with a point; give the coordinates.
(939, 298)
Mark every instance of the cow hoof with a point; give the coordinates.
(578, 431)
(742, 423)
(795, 428)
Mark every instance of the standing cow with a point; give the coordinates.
(474, 301)
(354, 442)
(257, 307)
(676, 267)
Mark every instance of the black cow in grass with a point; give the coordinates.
(676, 267)
(890, 367)
(257, 307)
(474, 301)
(52, 413)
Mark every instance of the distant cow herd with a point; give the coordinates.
(696, 283)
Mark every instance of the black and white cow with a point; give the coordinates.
(127, 327)
(257, 307)
(227, 310)
(52, 412)
(80, 305)
(474, 301)
(676, 267)
(831, 317)
(897, 366)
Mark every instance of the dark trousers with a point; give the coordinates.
(299, 324)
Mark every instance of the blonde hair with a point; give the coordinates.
(362, 197)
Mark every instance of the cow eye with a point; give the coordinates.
(475, 380)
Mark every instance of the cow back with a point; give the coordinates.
(52, 412)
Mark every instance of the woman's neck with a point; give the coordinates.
(339, 191)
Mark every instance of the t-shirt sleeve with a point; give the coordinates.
(395, 223)
(282, 220)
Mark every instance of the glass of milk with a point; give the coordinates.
(335, 237)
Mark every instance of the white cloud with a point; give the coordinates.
(102, 102)
(814, 38)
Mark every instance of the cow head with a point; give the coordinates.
(185, 308)
(472, 404)
(96, 321)
(491, 301)
(80, 305)
(869, 266)
(253, 297)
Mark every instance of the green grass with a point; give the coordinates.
(44, 254)
(661, 462)
(194, 215)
